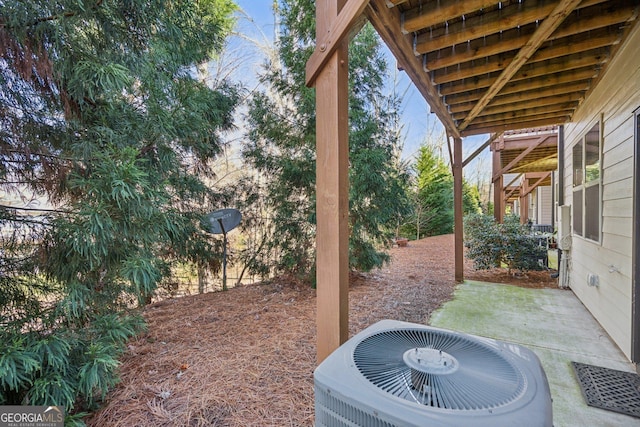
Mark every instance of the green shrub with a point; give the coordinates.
(510, 244)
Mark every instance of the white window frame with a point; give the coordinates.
(581, 187)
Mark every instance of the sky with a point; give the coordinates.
(256, 27)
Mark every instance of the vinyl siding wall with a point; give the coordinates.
(613, 101)
(545, 205)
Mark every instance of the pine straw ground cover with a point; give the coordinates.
(245, 357)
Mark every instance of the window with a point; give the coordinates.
(587, 183)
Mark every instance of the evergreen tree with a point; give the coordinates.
(103, 118)
(282, 147)
(435, 193)
(433, 203)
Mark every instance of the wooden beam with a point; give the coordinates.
(509, 192)
(522, 155)
(532, 165)
(521, 121)
(517, 177)
(522, 141)
(498, 63)
(525, 106)
(565, 37)
(469, 91)
(546, 28)
(522, 124)
(595, 20)
(433, 13)
(551, 91)
(480, 149)
(332, 190)
(536, 184)
(555, 90)
(328, 42)
(387, 23)
(392, 3)
(494, 44)
(512, 16)
(517, 14)
(498, 189)
(458, 210)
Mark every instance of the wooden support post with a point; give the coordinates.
(498, 188)
(524, 201)
(332, 190)
(457, 210)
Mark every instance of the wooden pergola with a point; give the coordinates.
(484, 67)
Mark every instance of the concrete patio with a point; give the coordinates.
(556, 326)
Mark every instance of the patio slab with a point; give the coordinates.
(556, 326)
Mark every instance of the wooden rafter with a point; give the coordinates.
(472, 69)
(476, 55)
(574, 88)
(468, 92)
(529, 148)
(548, 26)
(536, 183)
(433, 13)
(529, 166)
(514, 39)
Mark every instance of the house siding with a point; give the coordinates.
(613, 102)
(545, 205)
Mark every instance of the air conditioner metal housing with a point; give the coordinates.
(345, 396)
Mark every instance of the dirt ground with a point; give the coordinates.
(245, 357)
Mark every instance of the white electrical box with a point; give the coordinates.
(564, 227)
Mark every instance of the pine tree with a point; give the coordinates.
(433, 201)
(103, 119)
(282, 147)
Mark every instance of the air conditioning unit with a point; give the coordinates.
(403, 374)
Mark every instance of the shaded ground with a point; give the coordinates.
(245, 357)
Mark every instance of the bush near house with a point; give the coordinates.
(510, 244)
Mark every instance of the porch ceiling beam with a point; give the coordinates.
(546, 28)
(506, 119)
(528, 107)
(510, 191)
(549, 139)
(513, 39)
(392, 3)
(433, 13)
(327, 44)
(522, 155)
(469, 90)
(531, 122)
(497, 63)
(387, 23)
(529, 188)
(530, 166)
(479, 26)
(537, 175)
(552, 91)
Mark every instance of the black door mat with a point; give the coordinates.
(605, 388)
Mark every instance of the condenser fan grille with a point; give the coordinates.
(439, 369)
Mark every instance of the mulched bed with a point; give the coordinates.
(245, 357)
